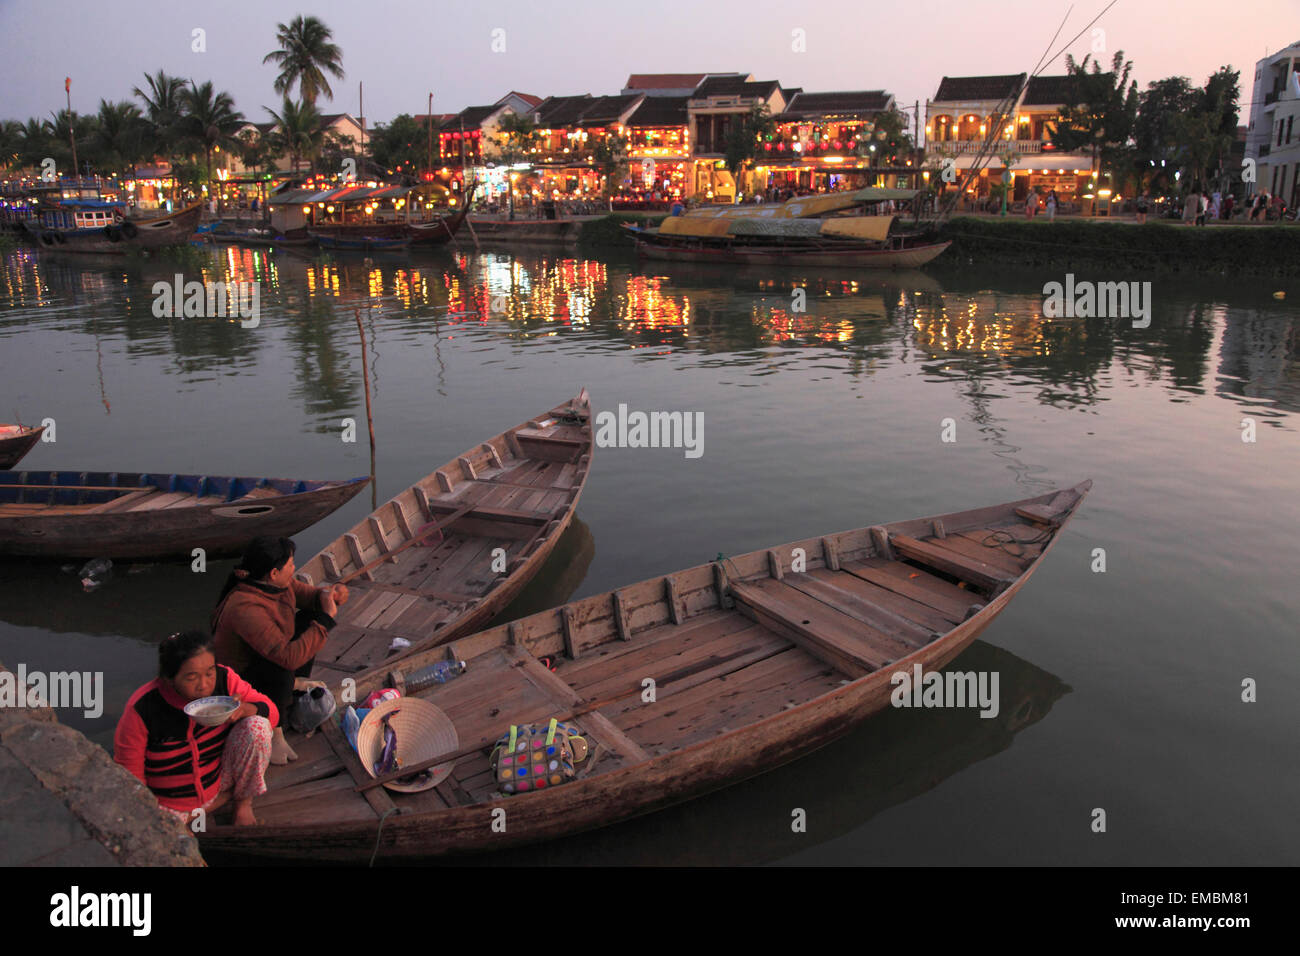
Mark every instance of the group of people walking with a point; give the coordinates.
(265, 633)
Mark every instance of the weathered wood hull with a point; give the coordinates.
(525, 485)
(747, 717)
(16, 442)
(131, 235)
(102, 522)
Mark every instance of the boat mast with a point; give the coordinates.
(72, 133)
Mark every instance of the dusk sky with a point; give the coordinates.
(404, 51)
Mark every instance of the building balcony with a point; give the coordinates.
(961, 147)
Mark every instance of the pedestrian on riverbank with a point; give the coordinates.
(270, 626)
(1202, 208)
(1143, 207)
(1192, 207)
(1227, 207)
(185, 764)
(1051, 205)
(1216, 204)
(1031, 203)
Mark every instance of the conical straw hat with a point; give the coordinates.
(423, 731)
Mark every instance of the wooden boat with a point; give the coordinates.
(261, 238)
(438, 231)
(754, 664)
(16, 441)
(69, 514)
(827, 230)
(76, 225)
(421, 567)
(360, 243)
(444, 228)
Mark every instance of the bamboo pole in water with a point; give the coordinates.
(370, 421)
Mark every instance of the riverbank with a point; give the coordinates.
(1238, 249)
(65, 802)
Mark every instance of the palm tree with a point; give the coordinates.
(119, 137)
(209, 118)
(163, 108)
(305, 55)
(34, 142)
(11, 143)
(298, 130)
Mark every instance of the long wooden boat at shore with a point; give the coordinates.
(447, 554)
(824, 230)
(753, 661)
(120, 515)
(96, 226)
(16, 441)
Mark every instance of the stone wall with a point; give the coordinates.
(64, 802)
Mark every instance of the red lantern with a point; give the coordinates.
(768, 147)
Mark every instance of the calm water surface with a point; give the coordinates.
(1119, 690)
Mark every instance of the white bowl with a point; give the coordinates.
(212, 711)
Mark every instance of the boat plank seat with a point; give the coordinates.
(123, 502)
(761, 689)
(973, 571)
(854, 597)
(852, 647)
(162, 500)
(914, 584)
(1039, 514)
(494, 514)
(972, 544)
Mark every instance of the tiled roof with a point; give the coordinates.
(849, 103)
(526, 97)
(977, 87)
(604, 110)
(1048, 90)
(556, 111)
(735, 86)
(664, 81)
(660, 111)
(471, 116)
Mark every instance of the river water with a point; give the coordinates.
(1120, 690)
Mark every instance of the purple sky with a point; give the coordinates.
(404, 51)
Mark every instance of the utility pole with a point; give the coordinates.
(431, 134)
(361, 98)
(916, 142)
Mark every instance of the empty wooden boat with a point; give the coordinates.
(446, 555)
(16, 441)
(120, 515)
(753, 664)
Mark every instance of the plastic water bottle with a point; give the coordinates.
(438, 673)
(351, 725)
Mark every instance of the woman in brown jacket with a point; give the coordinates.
(269, 627)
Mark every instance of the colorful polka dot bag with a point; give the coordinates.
(537, 756)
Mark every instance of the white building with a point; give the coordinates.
(1273, 136)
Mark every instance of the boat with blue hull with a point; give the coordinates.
(121, 515)
(102, 226)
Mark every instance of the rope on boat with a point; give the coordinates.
(1000, 540)
(380, 832)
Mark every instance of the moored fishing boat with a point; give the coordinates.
(360, 243)
(752, 662)
(100, 226)
(119, 515)
(448, 553)
(16, 441)
(828, 230)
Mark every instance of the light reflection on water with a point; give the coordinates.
(821, 415)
